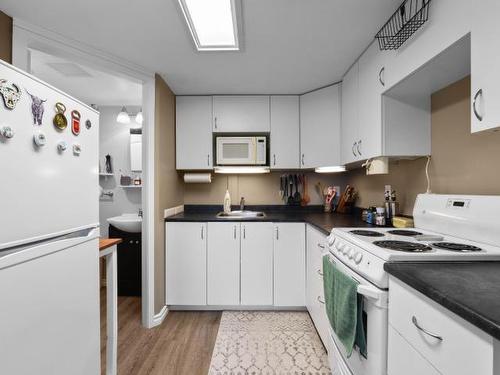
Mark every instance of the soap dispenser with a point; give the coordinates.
(227, 202)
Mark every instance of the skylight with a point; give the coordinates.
(212, 24)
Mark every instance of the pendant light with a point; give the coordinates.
(123, 117)
(139, 118)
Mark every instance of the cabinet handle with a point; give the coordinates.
(215, 122)
(234, 232)
(476, 113)
(208, 160)
(303, 159)
(202, 233)
(320, 273)
(380, 73)
(415, 323)
(353, 150)
(358, 147)
(321, 246)
(320, 301)
(244, 232)
(274, 159)
(277, 233)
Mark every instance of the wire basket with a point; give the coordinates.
(405, 21)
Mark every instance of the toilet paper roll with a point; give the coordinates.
(197, 178)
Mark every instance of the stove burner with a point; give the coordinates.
(368, 233)
(459, 247)
(406, 246)
(400, 232)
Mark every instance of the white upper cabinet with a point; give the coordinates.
(285, 132)
(320, 127)
(223, 264)
(257, 264)
(241, 114)
(194, 132)
(350, 115)
(372, 72)
(485, 66)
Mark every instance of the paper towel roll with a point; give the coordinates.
(197, 178)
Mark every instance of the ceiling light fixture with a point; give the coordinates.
(241, 170)
(123, 117)
(332, 169)
(213, 24)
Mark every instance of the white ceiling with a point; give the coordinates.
(89, 85)
(289, 46)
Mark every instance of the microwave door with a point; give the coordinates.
(236, 151)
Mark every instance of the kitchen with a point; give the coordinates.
(225, 249)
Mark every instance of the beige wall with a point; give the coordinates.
(462, 163)
(168, 185)
(5, 37)
(257, 189)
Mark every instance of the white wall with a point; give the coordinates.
(114, 139)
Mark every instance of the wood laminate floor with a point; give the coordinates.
(183, 344)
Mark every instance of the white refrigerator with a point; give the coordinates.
(49, 256)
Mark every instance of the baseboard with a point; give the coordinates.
(237, 308)
(158, 318)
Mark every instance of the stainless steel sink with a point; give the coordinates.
(241, 215)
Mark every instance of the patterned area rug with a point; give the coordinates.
(265, 343)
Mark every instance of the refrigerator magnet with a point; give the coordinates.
(62, 146)
(10, 94)
(39, 139)
(75, 122)
(77, 149)
(60, 121)
(37, 108)
(88, 124)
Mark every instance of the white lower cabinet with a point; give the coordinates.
(289, 264)
(223, 276)
(186, 252)
(450, 344)
(257, 264)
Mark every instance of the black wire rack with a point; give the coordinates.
(405, 21)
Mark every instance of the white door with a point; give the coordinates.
(223, 276)
(485, 63)
(285, 132)
(238, 113)
(350, 113)
(289, 264)
(194, 132)
(186, 251)
(257, 264)
(371, 87)
(320, 127)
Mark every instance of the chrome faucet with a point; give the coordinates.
(140, 212)
(242, 203)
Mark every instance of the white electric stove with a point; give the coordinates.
(447, 228)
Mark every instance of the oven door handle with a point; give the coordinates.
(369, 292)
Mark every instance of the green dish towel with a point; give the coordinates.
(344, 307)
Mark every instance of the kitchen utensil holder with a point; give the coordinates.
(405, 21)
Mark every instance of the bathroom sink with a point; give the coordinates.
(241, 215)
(131, 223)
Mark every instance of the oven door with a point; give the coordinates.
(376, 326)
(236, 150)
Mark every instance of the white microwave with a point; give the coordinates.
(241, 150)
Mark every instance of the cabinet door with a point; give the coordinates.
(223, 277)
(350, 120)
(289, 264)
(186, 251)
(285, 132)
(320, 127)
(194, 132)
(371, 87)
(238, 113)
(257, 264)
(485, 62)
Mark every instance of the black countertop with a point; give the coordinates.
(469, 289)
(310, 215)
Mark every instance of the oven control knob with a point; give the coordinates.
(348, 252)
(351, 254)
(331, 240)
(358, 258)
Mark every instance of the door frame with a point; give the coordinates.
(27, 37)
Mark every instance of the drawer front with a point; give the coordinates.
(462, 349)
(401, 354)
